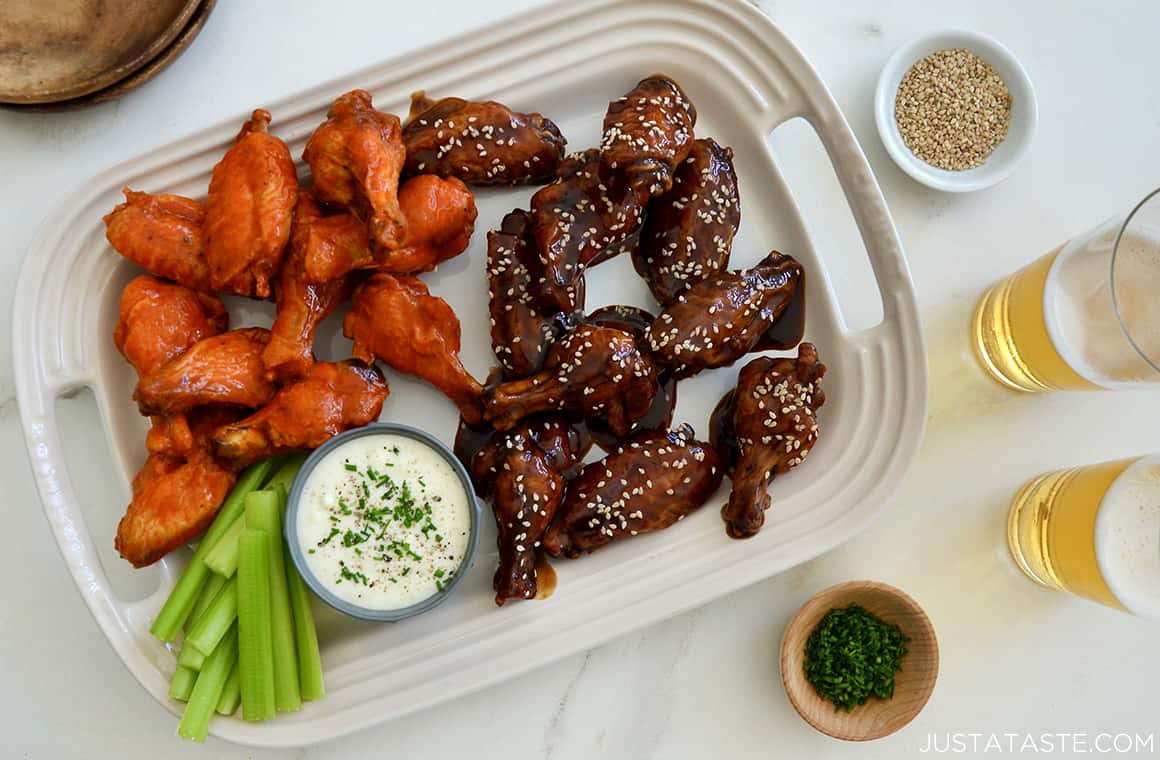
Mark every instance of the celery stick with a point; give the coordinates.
(262, 512)
(309, 659)
(208, 689)
(184, 595)
(190, 658)
(209, 592)
(231, 693)
(255, 646)
(182, 683)
(208, 631)
(286, 473)
(223, 557)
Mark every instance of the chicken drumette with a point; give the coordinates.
(481, 143)
(689, 230)
(522, 331)
(583, 217)
(719, 320)
(524, 473)
(158, 321)
(249, 209)
(223, 369)
(302, 305)
(594, 371)
(163, 234)
(647, 133)
(440, 216)
(175, 497)
(331, 398)
(355, 157)
(647, 484)
(396, 319)
(773, 415)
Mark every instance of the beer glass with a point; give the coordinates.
(1085, 316)
(1093, 531)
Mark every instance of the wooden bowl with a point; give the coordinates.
(151, 69)
(913, 684)
(53, 50)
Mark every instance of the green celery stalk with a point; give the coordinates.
(255, 645)
(223, 557)
(263, 510)
(208, 689)
(190, 658)
(287, 471)
(231, 693)
(309, 658)
(182, 684)
(209, 592)
(185, 593)
(210, 628)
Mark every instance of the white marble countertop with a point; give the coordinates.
(1015, 658)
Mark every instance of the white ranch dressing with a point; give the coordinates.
(384, 521)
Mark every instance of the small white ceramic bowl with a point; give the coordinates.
(1024, 112)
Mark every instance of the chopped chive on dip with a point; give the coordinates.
(853, 655)
(384, 521)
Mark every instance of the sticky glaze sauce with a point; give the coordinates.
(384, 521)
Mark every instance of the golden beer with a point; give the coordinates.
(1083, 317)
(1093, 531)
(1011, 338)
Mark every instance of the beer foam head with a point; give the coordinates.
(1127, 538)
(1082, 318)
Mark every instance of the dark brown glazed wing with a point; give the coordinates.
(647, 484)
(594, 371)
(159, 320)
(773, 410)
(526, 486)
(522, 331)
(719, 320)
(331, 398)
(248, 210)
(688, 231)
(647, 133)
(302, 305)
(223, 369)
(355, 158)
(580, 218)
(396, 319)
(481, 143)
(163, 234)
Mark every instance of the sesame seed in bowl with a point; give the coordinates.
(955, 111)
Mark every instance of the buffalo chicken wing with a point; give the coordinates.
(331, 398)
(355, 158)
(249, 209)
(223, 369)
(396, 319)
(302, 305)
(163, 234)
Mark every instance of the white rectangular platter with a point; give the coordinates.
(566, 61)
